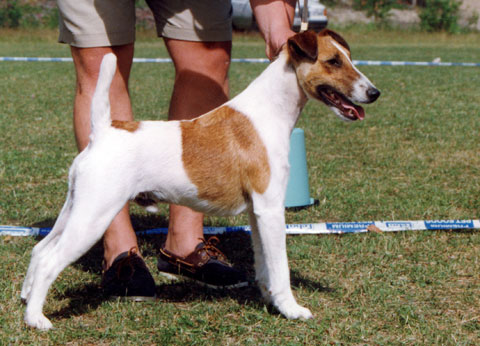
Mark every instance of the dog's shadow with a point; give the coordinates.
(88, 296)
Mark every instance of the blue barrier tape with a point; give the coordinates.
(413, 63)
(33, 59)
(305, 228)
(262, 61)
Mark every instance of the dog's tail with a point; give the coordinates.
(100, 111)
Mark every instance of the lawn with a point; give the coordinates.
(416, 156)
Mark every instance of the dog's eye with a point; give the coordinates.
(335, 62)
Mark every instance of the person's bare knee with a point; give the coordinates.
(87, 65)
(204, 57)
(201, 77)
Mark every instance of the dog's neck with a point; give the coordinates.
(274, 99)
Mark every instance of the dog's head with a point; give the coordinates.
(325, 72)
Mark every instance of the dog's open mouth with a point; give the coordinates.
(333, 98)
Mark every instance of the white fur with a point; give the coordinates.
(274, 121)
(361, 85)
(117, 165)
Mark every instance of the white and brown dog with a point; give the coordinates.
(230, 160)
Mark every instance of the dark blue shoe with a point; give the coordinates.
(129, 278)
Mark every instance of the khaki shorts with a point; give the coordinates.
(100, 23)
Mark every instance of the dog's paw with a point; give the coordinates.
(295, 311)
(39, 321)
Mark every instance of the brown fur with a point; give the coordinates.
(224, 157)
(303, 46)
(336, 37)
(338, 76)
(130, 126)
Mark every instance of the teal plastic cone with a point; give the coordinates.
(298, 189)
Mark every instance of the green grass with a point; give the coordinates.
(416, 156)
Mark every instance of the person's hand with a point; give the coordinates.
(274, 19)
(275, 40)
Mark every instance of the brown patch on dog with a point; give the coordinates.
(331, 67)
(336, 37)
(130, 126)
(303, 47)
(224, 157)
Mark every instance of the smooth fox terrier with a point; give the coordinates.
(229, 160)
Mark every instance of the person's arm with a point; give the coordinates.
(274, 19)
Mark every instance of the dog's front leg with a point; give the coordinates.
(271, 263)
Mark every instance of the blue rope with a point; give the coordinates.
(261, 61)
(306, 228)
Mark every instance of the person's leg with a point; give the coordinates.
(120, 236)
(201, 84)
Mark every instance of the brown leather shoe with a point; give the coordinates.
(206, 265)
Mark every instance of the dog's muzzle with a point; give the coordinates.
(373, 94)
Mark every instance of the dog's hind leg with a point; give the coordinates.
(85, 226)
(44, 247)
(271, 263)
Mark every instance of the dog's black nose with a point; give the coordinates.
(373, 94)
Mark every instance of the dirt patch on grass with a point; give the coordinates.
(470, 13)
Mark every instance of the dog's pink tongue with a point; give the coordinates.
(357, 111)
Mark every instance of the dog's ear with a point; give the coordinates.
(303, 46)
(336, 37)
